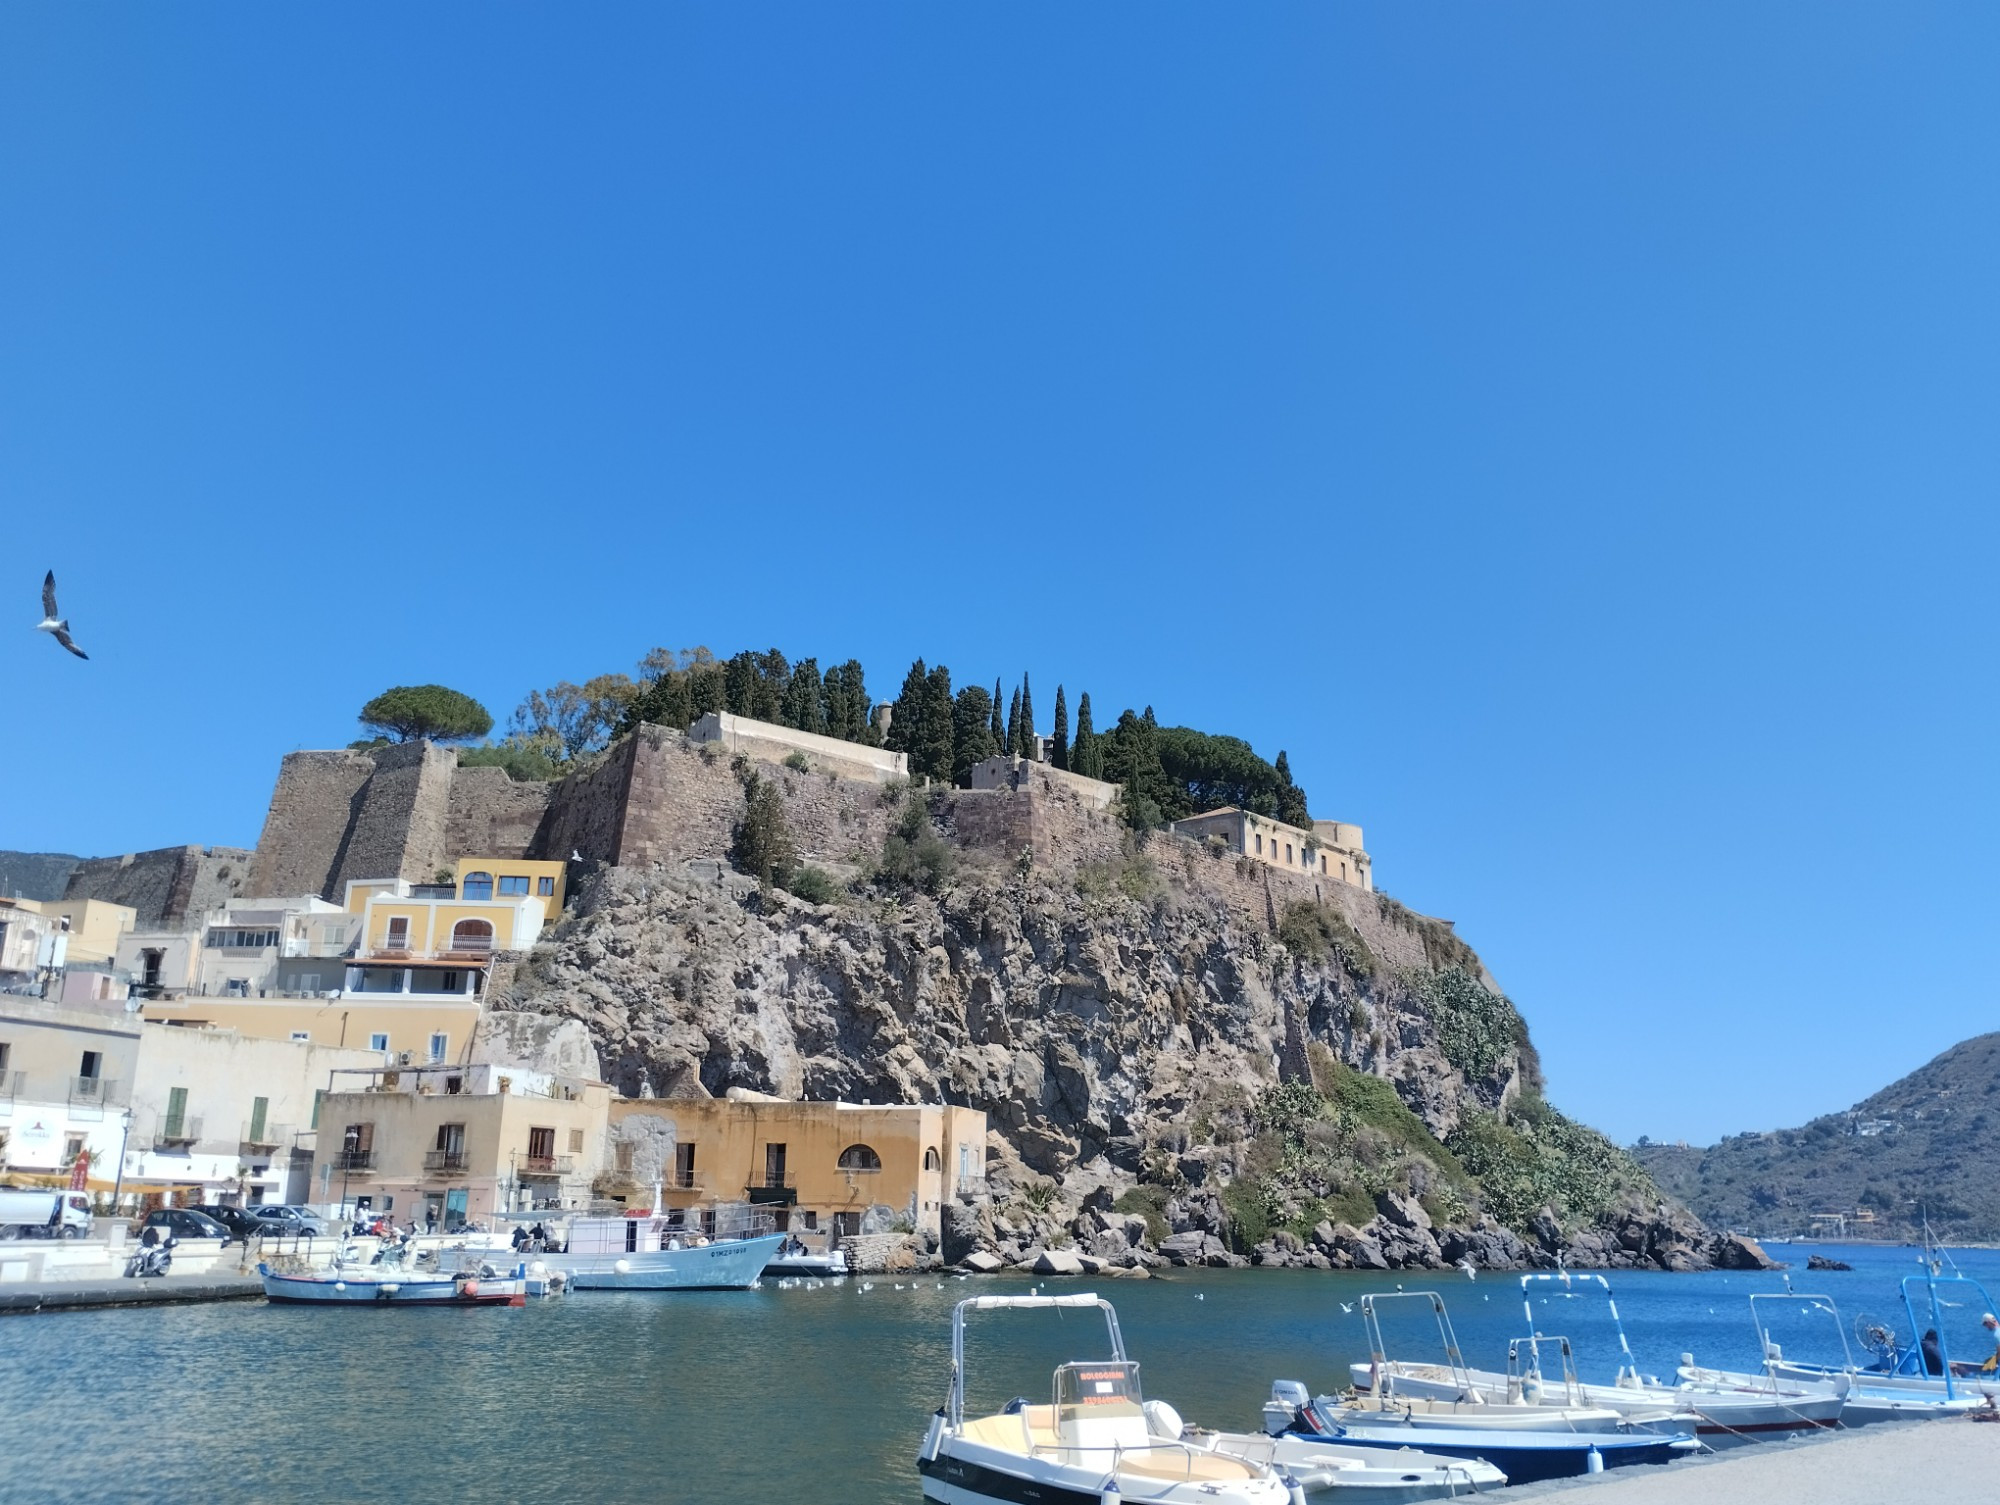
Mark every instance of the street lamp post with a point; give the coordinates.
(118, 1183)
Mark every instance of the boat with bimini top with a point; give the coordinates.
(1092, 1444)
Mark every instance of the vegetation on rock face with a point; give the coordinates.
(1477, 1028)
(410, 712)
(1316, 932)
(763, 847)
(913, 855)
(1530, 1156)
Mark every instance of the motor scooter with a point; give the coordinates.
(151, 1259)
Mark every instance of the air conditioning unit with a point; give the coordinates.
(405, 1058)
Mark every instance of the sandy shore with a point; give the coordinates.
(1914, 1461)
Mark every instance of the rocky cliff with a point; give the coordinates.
(1178, 1059)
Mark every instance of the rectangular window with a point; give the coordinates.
(541, 1144)
(546, 887)
(576, 1141)
(451, 1139)
(774, 1165)
(399, 933)
(1288, 852)
(177, 1106)
(439, 1043)
(378, 1042)
(1260, 846)
(4, 1049)
(93, 1063)
(303, 1036)
(259, 1108)
(684, 1165)
(1322, 862)
(812, 1222)
(511, 888)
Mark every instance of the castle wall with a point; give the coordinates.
(307, 823)
(1008, 772)
(164, 887)
(400, 822)
(772, 743)
(492, 815)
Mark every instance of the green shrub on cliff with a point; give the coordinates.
(913, 854)
(1313, 932)
(1534, 1157)
(523, 763)
(763, 846)
(1476, 1028)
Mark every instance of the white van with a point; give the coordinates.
(44, 1214)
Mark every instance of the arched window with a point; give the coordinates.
(858, 1157)
(931, 1161)
(472, 935)
(476, 886)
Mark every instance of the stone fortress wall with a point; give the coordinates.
(168, 887)
(663, 797)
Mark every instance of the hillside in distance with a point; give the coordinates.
(35, 875)
(1928, 1141)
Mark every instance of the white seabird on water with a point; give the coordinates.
(51, 622)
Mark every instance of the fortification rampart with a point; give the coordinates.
(167, 887)
(771, 743)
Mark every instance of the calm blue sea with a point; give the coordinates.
(774, 1395)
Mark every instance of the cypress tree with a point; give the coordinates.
(972, 734)
(774, 675)
(907, 719)
(739, 684)
(1026, 745)
(1014, 725)
(932, 754)
(803, 707)
(1000, 737)
(1291, 799)
(1086, 757)
(1059, 735)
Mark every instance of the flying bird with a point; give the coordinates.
(51, 622)
(1471, 1270)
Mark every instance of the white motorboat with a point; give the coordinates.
(796, 1257)
(1895, 1389)
(660, 1251)
(1719, 1414)
(1092, 1444)
(1334, 1471)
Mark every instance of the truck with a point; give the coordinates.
(43, 1214)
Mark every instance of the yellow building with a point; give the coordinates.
(512, 878)
(458, 1144)
(836, 1168)
(426, 1028)
(95, 925)
(1331, 849)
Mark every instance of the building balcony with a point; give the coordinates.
(95, 1090)
(465, 953)
(354, 1160)
(768, 1190)
(177, 1133)
(678, 1180)
(546, 1165)
(262, 1139)
(444, 1162)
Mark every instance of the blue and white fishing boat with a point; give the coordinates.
(1901, 1381)
(1721, 1410)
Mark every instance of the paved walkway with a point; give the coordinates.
(1920, 1461)
(63, 1295)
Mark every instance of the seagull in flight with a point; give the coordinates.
(51, 622)
(1471, 1270)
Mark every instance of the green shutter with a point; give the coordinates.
(259, 1106)
(177, 1103)
(318, 1098)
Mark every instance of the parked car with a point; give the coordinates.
(241, 1221)
(184, 1222)
(297, 1221)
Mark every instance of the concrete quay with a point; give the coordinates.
(68, 1295)
(1879, 1465)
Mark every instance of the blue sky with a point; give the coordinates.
(1568, 430)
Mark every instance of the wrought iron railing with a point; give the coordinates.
(547, 1165)
(444, 1160)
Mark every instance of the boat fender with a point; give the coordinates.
(1593, 1462)
(1109, 1495)
(622, 1266)
(389, 1288)
(934, 1436)
(471, 1288)
(1295, 1492)
(1163, 1421)
(340, 1285)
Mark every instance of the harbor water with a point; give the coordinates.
(783, 1394)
